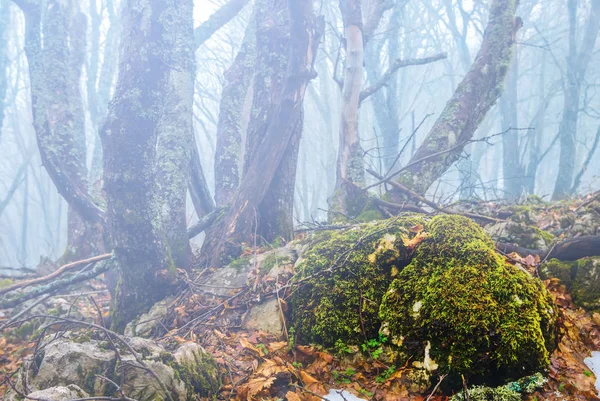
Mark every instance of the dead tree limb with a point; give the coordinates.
(567, 250)
(53, 275)
(56, 285)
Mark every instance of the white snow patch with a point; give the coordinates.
(593, 362)
(334, 395)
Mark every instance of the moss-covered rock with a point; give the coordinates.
(343, 277)
(512, 391)
(582, 279)
(521, 234)
(460, 308)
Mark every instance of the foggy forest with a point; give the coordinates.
(299, 200)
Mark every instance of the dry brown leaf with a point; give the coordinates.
(292, 396)
(276, 346)
(416, 228)
(411, 243)
(246, 344)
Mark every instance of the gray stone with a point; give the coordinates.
(144, 325)
(59, 393)
(265, 317)
(77, 360)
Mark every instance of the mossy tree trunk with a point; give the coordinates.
(175, 132)
(287, 28)
(229, 127)
(52, 116)
(350, 164)
(577, 63)
(472, 99)
(59, 121)
(151, 106)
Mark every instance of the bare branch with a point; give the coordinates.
(219, 18)
(368, 91)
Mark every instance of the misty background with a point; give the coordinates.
(33, 216)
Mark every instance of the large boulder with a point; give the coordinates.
(82, 361)
(434, 292)
(459, 306)
(343, 276)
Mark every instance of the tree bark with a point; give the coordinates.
(577, 63)
(350, 164)
(512, 169)
(276, 211)
(229, 128)
(221, 17)
(4, 62)
(154, 74)
(471, 100)
(239, 221)
(51, 113)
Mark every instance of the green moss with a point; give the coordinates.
(475, 314)
(582, 279)
(565, 271)
(5, 282)
(201, 377)
(271, 261)
(343, 277)
(239, 263)
(509, 392)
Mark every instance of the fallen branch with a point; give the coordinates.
(567, 250)
(53, 275)
(55, 285)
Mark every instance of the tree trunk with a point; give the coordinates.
(52, 117)
(471, 100)
(276, 211)
(229, 132)
(175, 134)
(4, 61)
(154, 76)
(350, 164)
(512, 170)
(576, 67)
(265, 158)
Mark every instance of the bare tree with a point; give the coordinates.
(577, 63)
(472, 99)
(239, 220)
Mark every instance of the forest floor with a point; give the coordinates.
(257, 365)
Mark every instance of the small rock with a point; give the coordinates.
(265, 317)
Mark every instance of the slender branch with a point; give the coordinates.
(56, 273)
(368, 91)
(412, 194)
